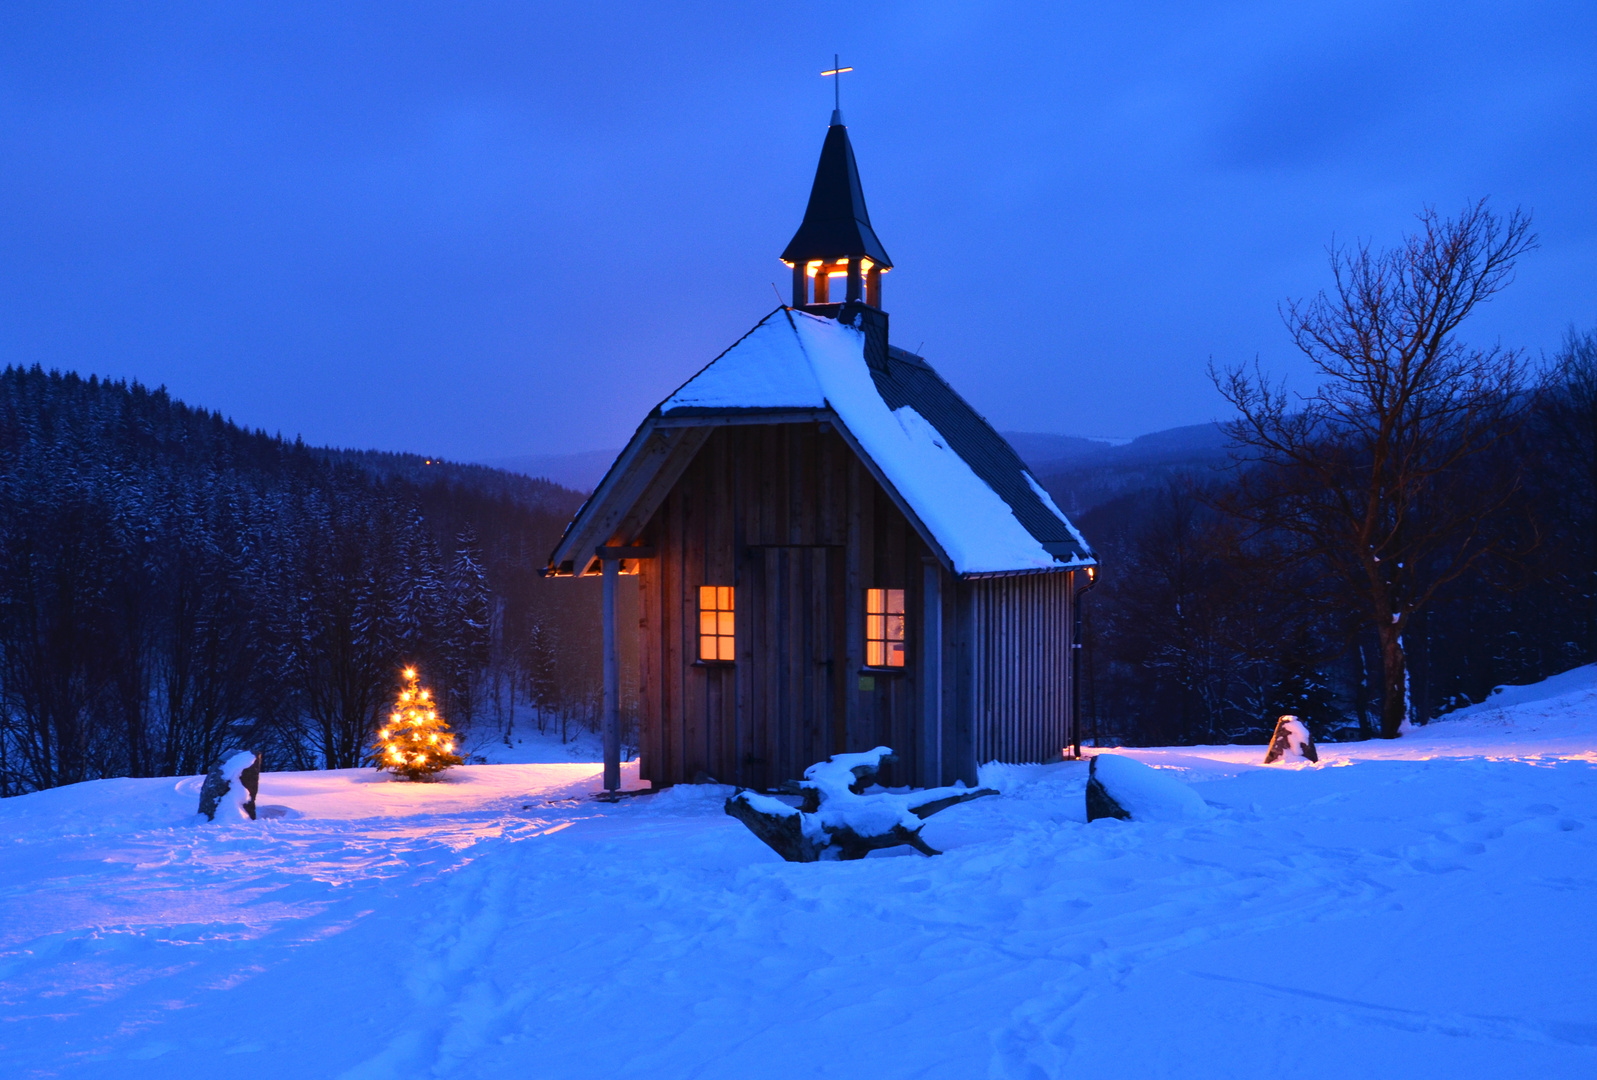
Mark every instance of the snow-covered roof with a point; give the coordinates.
(970, 493)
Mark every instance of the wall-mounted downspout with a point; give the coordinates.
(1075, 663)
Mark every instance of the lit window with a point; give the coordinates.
(884, 628)
(715, 622)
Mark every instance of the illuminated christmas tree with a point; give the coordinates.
(416, 743)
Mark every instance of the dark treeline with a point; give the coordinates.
(172, 585)
(1201, 631)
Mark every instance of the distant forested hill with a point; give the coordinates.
(172, 584)
(1084, 473)
(1197, 632)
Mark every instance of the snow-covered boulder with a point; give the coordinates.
(1122, 787)
(1291, 742)
(230, 787)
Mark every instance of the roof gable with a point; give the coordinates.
(961, 484)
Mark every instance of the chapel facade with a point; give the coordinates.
(834, 551)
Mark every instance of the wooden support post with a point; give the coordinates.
(855, 292)
(931, 694)
(801, 285)
(610, 723)
(612, 680)
(873, 287)
(823, 284)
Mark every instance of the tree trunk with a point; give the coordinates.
(1394, 682)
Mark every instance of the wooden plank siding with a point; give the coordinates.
(1021, 670)
(790, 518)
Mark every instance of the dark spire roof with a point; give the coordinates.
(835, 223)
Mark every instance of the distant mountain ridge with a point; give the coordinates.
(580, 471)
(1103, 468)
(1084, 473)
(1051, 453)
(532, 492)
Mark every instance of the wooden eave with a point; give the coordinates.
(637, 483)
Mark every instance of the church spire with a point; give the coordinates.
(835, 236)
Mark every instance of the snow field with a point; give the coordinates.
(1420, 908)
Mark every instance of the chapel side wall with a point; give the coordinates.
(749, 488)
(1020, 667)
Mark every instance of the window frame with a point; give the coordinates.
(887, 614)
(722, 617)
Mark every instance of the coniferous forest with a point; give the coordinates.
(172, 585)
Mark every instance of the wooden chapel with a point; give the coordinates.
(834, 550)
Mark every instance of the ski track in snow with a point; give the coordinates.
(1419, 908)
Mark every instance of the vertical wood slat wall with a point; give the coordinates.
(1021, 667)
(758, 487)
(751, 490)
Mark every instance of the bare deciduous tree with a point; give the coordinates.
(1571, 401)
(1378, 475)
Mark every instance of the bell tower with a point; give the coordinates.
(835, 240)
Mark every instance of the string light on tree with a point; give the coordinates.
(416, 742)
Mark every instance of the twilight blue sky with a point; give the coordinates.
(491, 229)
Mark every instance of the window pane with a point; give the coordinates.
(875, 599)
(895, 601)
(895, 628)
(875, 627)
(875, 654)
(895, 654)
(727, 652)
(723, 622)
(707, 598)
(707, 648)
(723, 597)
(706, 622)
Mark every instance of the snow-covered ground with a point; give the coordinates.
(1422, 908)
(528, 747)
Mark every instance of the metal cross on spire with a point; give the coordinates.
(837, 88)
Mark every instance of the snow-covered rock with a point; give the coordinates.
(230, 787)
(1291, 742)
(1139, 792)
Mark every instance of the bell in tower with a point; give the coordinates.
(835, 239)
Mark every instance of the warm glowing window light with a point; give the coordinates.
(715, 623)
(884, 628)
